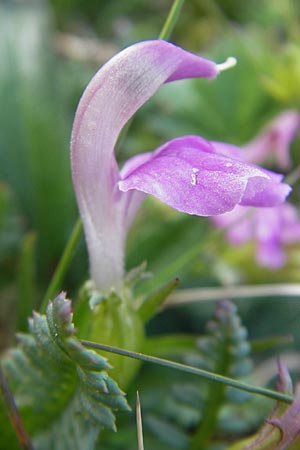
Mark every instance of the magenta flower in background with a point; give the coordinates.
(188, 173)
(270, 228)
(275, 140)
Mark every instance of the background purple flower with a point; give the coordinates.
(270, 228)
(273, 143)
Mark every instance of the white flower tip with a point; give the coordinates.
(230, 62)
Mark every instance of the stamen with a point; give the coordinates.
(230, 62)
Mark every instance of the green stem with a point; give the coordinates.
(171, 19)
(193, 370)
(63, 264)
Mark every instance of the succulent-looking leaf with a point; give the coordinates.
(60, 387)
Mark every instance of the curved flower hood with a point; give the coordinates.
(188, 173)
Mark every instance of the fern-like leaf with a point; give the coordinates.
(62, 389)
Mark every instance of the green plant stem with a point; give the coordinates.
(193, 370)
(63, 265)
(15, 419)
(171, 19)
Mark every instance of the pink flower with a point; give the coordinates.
(270, 228)
(187, 173)
(274, 141)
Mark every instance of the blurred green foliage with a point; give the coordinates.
(34, 133)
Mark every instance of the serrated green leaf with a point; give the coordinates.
(58, 383)
(39, 329)
(84, 358)
(112, 386)
(59, 318)
(115, 402)
(96, 414)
